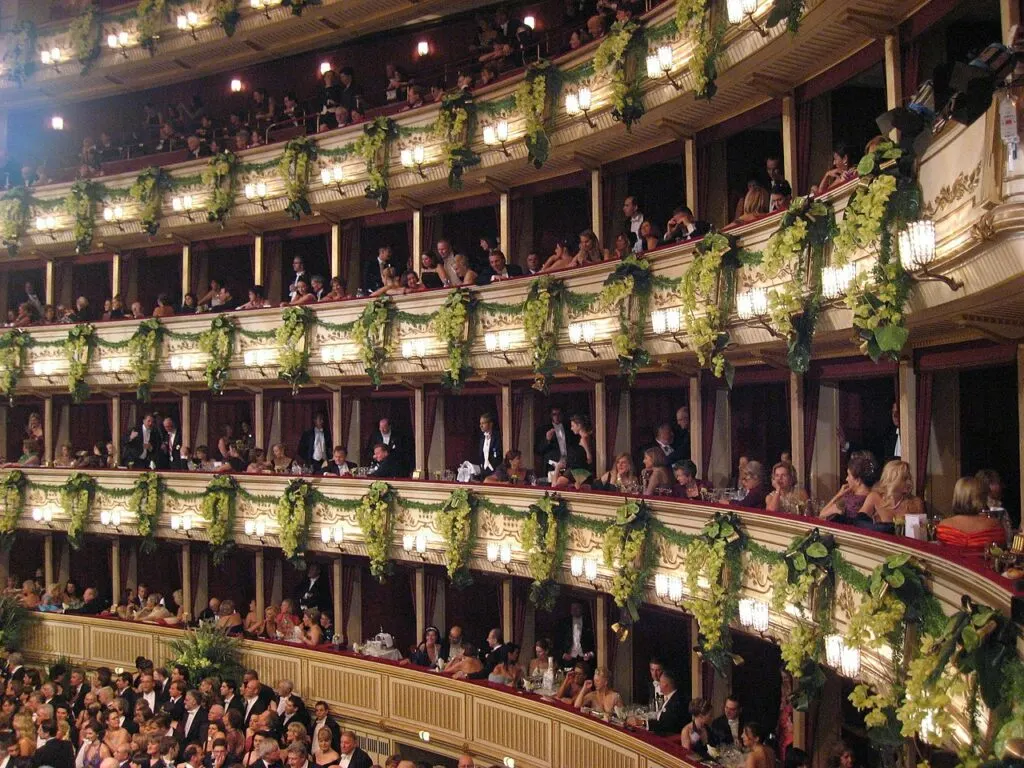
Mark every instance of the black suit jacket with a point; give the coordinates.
(237, 703)
(176, 709)
(317, 596)
(306, 444)
(257, 709)
(360, 759)
(670, 458)
(168, 453)
(128, 697)
(302, 716)
(487, 276)
(720, 733)
(133, 447)
(548, 450)
(372, 278)
(494, 453)
(587, 641)
(390, 467)
(333, 468)
(674, 716)
(197, 733)
(54, 753)
(397, 444)
(700, 228)
(681, 443)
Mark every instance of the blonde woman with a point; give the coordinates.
(655, 475)
(66, 458)
(785, 497)
(754, 203)
(154, 610)
(622, 475)
(893, 497)
(25, 734)
(280, 460)
(966, 526)
(598, 693)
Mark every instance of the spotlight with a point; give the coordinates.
(57, 123)
(423, 48)
(236, 85)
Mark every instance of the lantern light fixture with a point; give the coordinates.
(114, 214)
(738, 10)
(412, 158)
(497, 133)
(499, 342)
(189, 22)
(752, 303)
(334, 175)
(52, 57)
(917, 251)
(530, 21)
(236, 85)
(660, 63)
(263, 5)
(582, 333)
(119, 42)
(333, 534)
(183, 204)
(47, 225)
(415, 349)
(580, 102)
(835, 281)
(423, 48)
(257, 191)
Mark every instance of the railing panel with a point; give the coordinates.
(426, 704)
(524, 735)
(352, 689)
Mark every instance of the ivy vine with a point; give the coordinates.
(542, 320)
(629, 549)
(148, 191)
(451, 325)
(145, 504)
(78, 350)
(696, 18)
(75, 499)
(374, 147)
(298, 6)
(219, 344)
(376, 519)
(144, 356)
(294, 168)
(372, 334)
(545, 537)
(84, 33)
(19, 61)
(619, 53)
(534, 98)
(12, 360)
(80, 204)
(13, 487)
(294, 514)
(221, 177)
(218, 507)
(457, 525)
(150, 17)
(627, 291)
(225, 13)
(707, 287)
(456, 126)
(14, 218)
(293, 346)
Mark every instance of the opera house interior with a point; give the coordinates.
(540, 383)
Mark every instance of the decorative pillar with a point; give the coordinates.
(506, 418)
(421, 602)
(596, 214)
(796, 423)
(354, 627)
(48, 430)
(336, 250)
(505, 225)
(690, 168)
(417, 238)
(600, 430)
(800, 729)
(115, 569)
(186, 575)
(420, 430)
(186, 268)
(261, 599)
(506, 610)
(115, 274)
(696, 678)
(257, 425)
(696, 424)
(257, 261)
(893, 77)
(1009, 17)
(48, 559)
(789, 144)
(337, 428)
(50, 288)
(600, 622)
(115, 424)
(336, 579)
(908, 411)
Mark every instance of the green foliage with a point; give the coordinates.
(628, 291)
(294, 168)
(78, 350)
(145, 504)
(376, 518)
(13, 488)
(148, 191)
(150, 17)
(219, 344)
(218, 507)
(374, 146)
(789, 11)
(144, 356)
(456, 126)
(534, 97)
(542, 320)
(84, 33)
(545, 537)
(706, 287)
(451, 325)
(76, 497)
(695, 18)
(20, 56)
(225, 13)
(619, 53)
(298, 6)
(457, 524)
(208, 651)
(221, 177)
(14, 218)
(293, 346)
(12, 360)
(878, 298)
(294, 514)
(81, 206)
(14, 622)
(630, 551)
(372, 335)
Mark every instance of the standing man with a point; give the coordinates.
(489, 453)
(553, 440)
(315, 444)
(634, 219)
(314, 591)
(141, 447)
(575, 637)
(395, 443)
(681, 434)
(168, 455)
(300, 274)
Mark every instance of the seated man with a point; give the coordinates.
(384, 465)
(727, 728)
(339, 464)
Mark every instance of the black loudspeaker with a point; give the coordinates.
(968, 105)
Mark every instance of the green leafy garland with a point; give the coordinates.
(294, 168)
(78, 350)
(456, 127)
(293, 347)
(457, 524)
(20, 57)
(84, 32)
(150, 17)
(708, 285)
(542, 320)
(298, 6)
(374, 146)
(218, 507)
(81, 205)
(219, 344)
(376, 518)
(545, 537)
(696, 18)
(225, 13)
(372, 335)
(12, 360)
(221, 177)
(806, 579)
(14, 218)
(145, 504)
(714, 556)
(630, 551)
(294, 514)
(13, 486)
(451, 325)
(148, 191)
(534, 97)
(144, 356)
(789, 11)
(75, 499)
(627, 290)
(619, 51)
(208, 651)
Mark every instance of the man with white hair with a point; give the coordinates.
(351, 755)
(283, 689)
(466, 761)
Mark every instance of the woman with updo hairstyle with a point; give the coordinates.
(861, 475)
(966, 526)
(695, 733)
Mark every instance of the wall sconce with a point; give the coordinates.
(500, 553)
(188, 22)
(111, 519)
(836, 280)
(752, 303)
(334, 354)
(425, 736)
(183, 204)
(259, 358)
(263, 5)
(257, 527)
(119, 42)
(585, 567)
(52, 57)
(668, 321)
(46, 369)
(530, 21)
(499, 341)
(333, 175)
(57, 123)
(412, 157)
(325, 67)
(236, 85)
(754, 615)
(333, 535)
(182, 523)
(415, 349)
(659, 64)
(508, 762)
(841, 657)
(43, 515)
(114, 214)
(668, 587)
(47, 225)
(917, 251)
(423, 48)
(257, 191)
(114, 365)
(417, 543)
(583, 332)
(497, 133)
(580, 102)
(184, 364)
(738, 10)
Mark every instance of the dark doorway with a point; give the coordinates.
(760, 423)
(989, 438)
(663, 635)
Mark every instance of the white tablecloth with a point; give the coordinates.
(391, 654)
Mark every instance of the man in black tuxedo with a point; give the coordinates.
(576, 640)
(300, 274)
(373, 275)
(350, 746)
(193, 725)
(552, 441)
(295, 712)
(314, 591)
(168, 453)
(255, 704)
(175, 703)
(727, 728)
(884, 444)
(384, 464)
(681, 433)
(142, 444)
(315, 444)
(673, 715)
(92, 603)
(54, 752)
(682, 226)
(339, 465)
(125, 692)
(490, 655)
(149, 693)
(488, 451)
(15, 667)
(322, 719)
(397, 444)
(663, 441)
(76, 690)
(231, 698)
(499, 269)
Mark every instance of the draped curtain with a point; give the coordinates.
(911, 67)
(462, 426)
(268, 579)
(296, 417)
(346, 423)
(128, 415)
(812, 396)
(431, 230)
(708, 400)
(413, 247)
(431, 581)
(518, 410)
(351, 262)
(429, 416)
(87, 424)
(923, 428)
(613, 394)
(517, 211)
(520, 601)
(349, 574)
(804, 129)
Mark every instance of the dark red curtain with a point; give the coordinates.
(519, 397)
(348, 582)
(708, 400)
(89, 566)
(429, 416)
(911, 67)
(161, 570)
(130, 416)
(923, 428)
(233, 580)
(760, 422)
(389, 606)
(476, 608)
(804, 130)
(351, 235)
(126, 556)
(462, 426)
(613, 394)
(703, 181)
(26, 556)
(296, 417)
(430, 582)
(431, 222)
(517, 229)
(268, 578)
(520, 600)
(346, 422)
(88, 423)
(812, 396)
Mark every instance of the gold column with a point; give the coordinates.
(600, 429)
(186, 268)
(506, 418)
(696, 424)
(49, 429)
(186, 575)
(696, 678)
(601, 634)
(690, 168)
(115, 569)
(596, 214)
(908, 411)
(336, 579)
(421, 601)
(257, 264)
(257, 427)
(186, 420)
(48, 559)
(261, 599)
(789, 148)
(420, 429)
(506, 610)
(505, 225)
(336, 250)
(417, 237)
(1020, 395)
(115, 274)
(51, 289)
(799, 729)
(796, 423)
(337, 428)
(893, 76)
(115, 426)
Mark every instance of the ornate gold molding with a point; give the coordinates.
(964, 184)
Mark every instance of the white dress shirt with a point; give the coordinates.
(150, 698)
(487, 451)
(385, 438)
(577, 637)
(666, 447)
(635, 222)
(319, 451)
(145, 441)
(344, 760)
(560, 437)
(291, 288)
(316, 729)
(897, 450)
(190, 715)
(249, 704)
